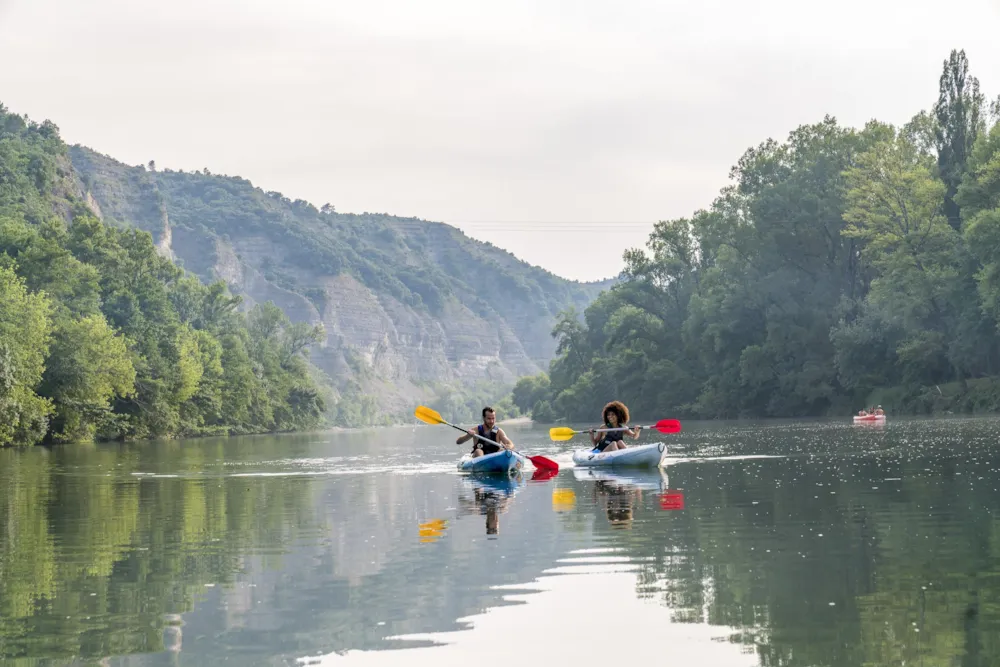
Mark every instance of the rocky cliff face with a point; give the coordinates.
(403, 312)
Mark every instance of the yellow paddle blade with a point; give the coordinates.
(563, 500)
(432, 530)
(561, 433)
(425, 414)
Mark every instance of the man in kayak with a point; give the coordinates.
(615, 415)
(488, 429)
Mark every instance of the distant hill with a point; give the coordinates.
(102, 337)
(410, 307)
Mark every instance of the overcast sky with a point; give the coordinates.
(560, 130)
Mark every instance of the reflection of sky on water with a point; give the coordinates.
(589, 617)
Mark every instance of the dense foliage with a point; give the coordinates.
(841, 268)
(101, 336)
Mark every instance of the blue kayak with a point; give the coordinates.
(502, 461)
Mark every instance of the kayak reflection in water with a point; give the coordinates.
(615, 415)
(491, 498)
(488, 429)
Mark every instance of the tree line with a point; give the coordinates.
(101, 337)
(842, 268)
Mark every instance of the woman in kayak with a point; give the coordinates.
(615, 416)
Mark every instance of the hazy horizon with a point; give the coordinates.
(558, 131)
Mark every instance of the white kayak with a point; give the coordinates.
(650, 456)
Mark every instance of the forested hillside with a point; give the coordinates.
(101, 336)
(141, 303)
(842, 268)
(413, 311)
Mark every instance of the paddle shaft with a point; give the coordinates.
(474, 435)
(429, 416)
(539, 461)
(617, 428)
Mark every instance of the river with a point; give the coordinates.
(760, 543)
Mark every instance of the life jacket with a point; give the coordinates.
(492, 434)
(612, 436)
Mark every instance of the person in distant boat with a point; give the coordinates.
(488, 429)
(879, 411)
(862, 412)
(615, 415)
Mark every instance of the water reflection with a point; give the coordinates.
(491, 496)
(618, 491)
(792, 543)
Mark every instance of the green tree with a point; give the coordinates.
(25, 335)
(979, 197)
(895, 208)
(959, 114)
(88, 366)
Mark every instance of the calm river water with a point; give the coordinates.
(771, 543)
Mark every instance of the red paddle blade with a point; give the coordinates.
(542, 474)
(672, 500)
(668, 426)
(543, 463)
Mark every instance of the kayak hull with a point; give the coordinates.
(868, 419)
(504, 461)
(643, 456)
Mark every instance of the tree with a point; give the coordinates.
(979, 197)
(88, 366)
(25, 335)
(895, 208)
(959, 114)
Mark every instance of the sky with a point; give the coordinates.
(560, 130)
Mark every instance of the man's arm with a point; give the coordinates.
(504, 440)
(462, 438)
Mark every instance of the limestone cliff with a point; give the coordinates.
(408, 305)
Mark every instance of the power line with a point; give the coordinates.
(607, 223)
(536, 226)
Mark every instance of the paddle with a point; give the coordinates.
(425, 414)
(663, 426)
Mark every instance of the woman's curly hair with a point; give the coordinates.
(619, 409)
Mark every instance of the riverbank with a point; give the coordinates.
(515, 421)
(976, 396)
